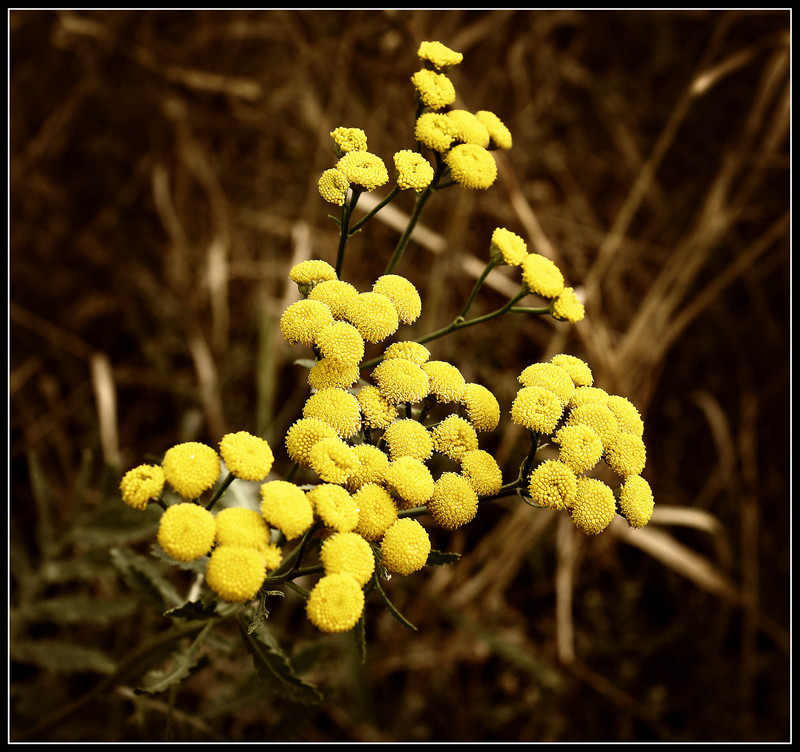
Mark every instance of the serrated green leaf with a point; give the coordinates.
(185, 662)
(273, 666)
(360, 635)
(442, 557)
(193, 611)
(142, 576)
(78, 609)
(61, 657)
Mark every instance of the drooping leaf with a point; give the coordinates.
(61, 657)
(185, 662)
(76, 609)
(143, 578)
(442, 557)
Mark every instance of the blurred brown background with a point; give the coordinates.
(163, 170)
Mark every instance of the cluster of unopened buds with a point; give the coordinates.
(388, 447)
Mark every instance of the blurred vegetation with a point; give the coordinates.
(163, 169)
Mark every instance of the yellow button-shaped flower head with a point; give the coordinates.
(578, 370)
(141, 484)
(585, 394)
(333, 186)
(334, 293)
(410, 481)
(403, 295)
(594, 506)
(236, 573)
(438, 55)
(246, 456)
(434, 90)
(301, 321)
(553, 484)
(414, 172)
(580, 447)
(537, 409)
(405, 547)
(191, 468)
(333, 460)
(446, 382)
(507, 248)
(334, 507)
(401, 380)
(635, 499)
(481, 406)
(471, 166)
(328, 373)
(374, 315)
(598, 417)
(372, 466)
(186, 531)
(286, 507)
(467, 129)
(413, 351)
(363, 169)
(376, 410)
(377, 511)
(454, 436)
(335, 603)
(549, 376)
(626, 454)
(337, 407)
(348, 553)
(541, 276)
(348, 139)
(454, 502)
(242, 527)
(408, 438)
(432, 129)
(482, 471)
(340, 341)
(567, 307)
(311, 271)
(498, 131)
(628, 417)
(303, 434)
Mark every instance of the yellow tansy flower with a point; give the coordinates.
(403, 295)
(405, 547)
(410, 481)
(191, 468)
(377, 511)
(507, 248)
(412, 351)
(301, 321)
(334, 506)
(335, 603)
(541, 276)
(432, 129)
(626, 454)
(467, 129)
(583, 395)
(471, 166)
(141, 484)
(435, 90)
(567, 307)
(408, 438)
(246, 456)
(454, 436)
(311, 271)
(186, 531)
(498, 132)
(594, 506)
(236, 573)
(374, 315)
(580, 447)
(482, 471)
(597, 416)
(454, 502)
(363, 169)
(481, 406)
(348, 553)
(401, 380)
(635, 499)
(348, 139)
(372, 467)
(377, 410)
(328, 373)
(340, 341)
(553, 484)
(338, 407)
(286, 507)
(446, 382)
(438, 55)
(333, 186)
(414, 172)
(578, 370)
(240, 526)
(303, 434)
(628, 417)
(334, 293)
(333, 460)
(551, 377)
(537, 409)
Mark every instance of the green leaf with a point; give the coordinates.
(305, 363)
(76, 609)
(360, 634)
(185, 662)
(392, 608)
(142, 577)
(273, 666)
(442, 557)
(61, 657)
(45, 536)
(193, 611)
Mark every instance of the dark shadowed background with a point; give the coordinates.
(163, 171)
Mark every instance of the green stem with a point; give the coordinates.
(422, 198)
(537, 311)
(344, 228)
(484, 274)
(358, 225)
(221, 490)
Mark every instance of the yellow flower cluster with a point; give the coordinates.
(141, 485)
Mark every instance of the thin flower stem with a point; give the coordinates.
(402, 244)
(358, 225)
(478, 284)
(221, 490)
(537, 311)
(344, 228)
